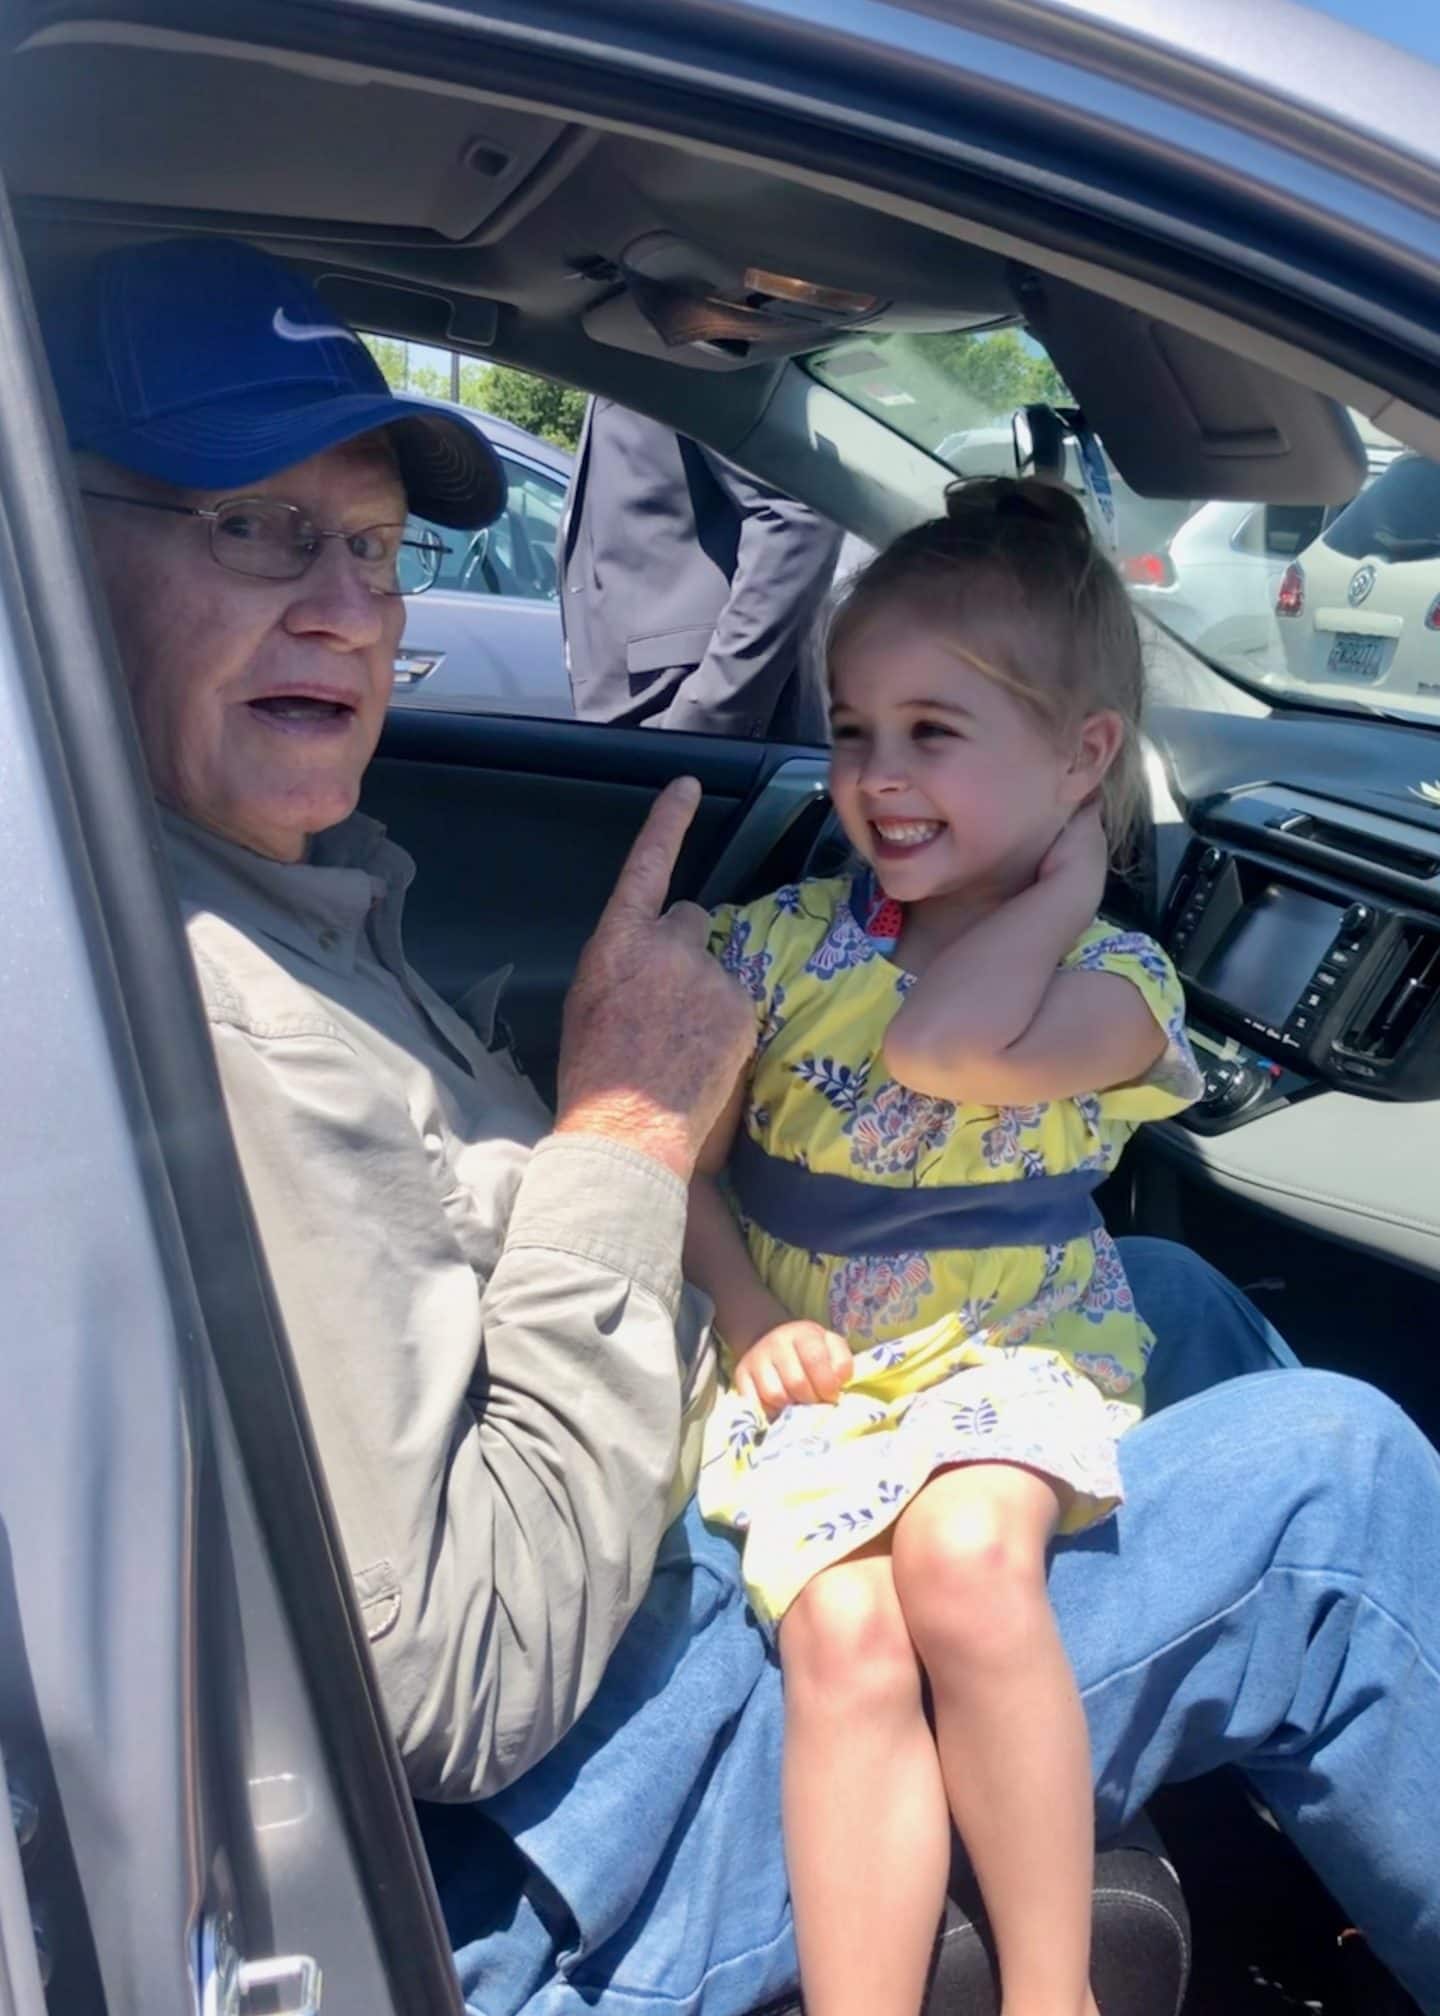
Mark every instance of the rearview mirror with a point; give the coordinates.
(1039, 435)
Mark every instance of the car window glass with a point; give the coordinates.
(1396, 518)
(686, 594)
(1334, 606)
(514, 556)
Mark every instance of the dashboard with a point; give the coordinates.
(1298, 893)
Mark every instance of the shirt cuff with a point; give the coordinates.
(601, 1201)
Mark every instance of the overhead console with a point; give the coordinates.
(1295, 978)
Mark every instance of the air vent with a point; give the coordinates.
(1359, 846)
(1408, 991)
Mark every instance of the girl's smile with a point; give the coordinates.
(901, 839)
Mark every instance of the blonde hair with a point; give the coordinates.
(1013, 566)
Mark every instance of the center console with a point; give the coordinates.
(1291, 982)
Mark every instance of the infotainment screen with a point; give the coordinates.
(1268, 953)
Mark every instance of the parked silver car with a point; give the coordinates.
(486, 638)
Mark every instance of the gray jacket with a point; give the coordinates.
(485, 1328)
(689, 589)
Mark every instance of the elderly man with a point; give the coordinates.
(485, 1304)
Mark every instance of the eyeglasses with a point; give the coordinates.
(272, 541)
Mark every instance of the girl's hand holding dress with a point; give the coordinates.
(797, 1363)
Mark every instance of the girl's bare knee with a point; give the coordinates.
(969, 1568)
(844, 1645)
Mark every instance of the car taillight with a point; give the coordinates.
(1290, 600)
(1432, 615)
(1148, 570)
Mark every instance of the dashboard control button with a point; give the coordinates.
(1231, 1085)
(1211, 861)
(1312, 999)
(1326, 981)
(1299, 1023)
(1359, 920)
(1340, 958)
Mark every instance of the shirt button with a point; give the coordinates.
(329, 939)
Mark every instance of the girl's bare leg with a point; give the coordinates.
(867, 1827)
(969, 1569)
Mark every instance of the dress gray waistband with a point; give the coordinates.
(844, 1216)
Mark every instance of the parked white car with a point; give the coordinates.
(1213, 583)
(1360, 607)
(1216, 582)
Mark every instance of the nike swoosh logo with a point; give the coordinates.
(308, 332)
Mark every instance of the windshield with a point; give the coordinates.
(1335, 606)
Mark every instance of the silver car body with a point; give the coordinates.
(487, 639)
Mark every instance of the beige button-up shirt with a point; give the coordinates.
(484, 1320)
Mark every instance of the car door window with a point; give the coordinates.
(687, 598)
(515, 555)
(520, 557)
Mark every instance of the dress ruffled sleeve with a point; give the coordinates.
(742, 938)
(1174, 1081)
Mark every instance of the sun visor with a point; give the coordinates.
(1180, 417)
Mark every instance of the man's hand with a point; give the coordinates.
(656, 1032)
(795, 1363)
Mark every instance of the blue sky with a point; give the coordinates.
(1413, 24)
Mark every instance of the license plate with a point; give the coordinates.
(1356, 657)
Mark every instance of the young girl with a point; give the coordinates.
(932, 1343)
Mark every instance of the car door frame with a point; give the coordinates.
(154, 1839)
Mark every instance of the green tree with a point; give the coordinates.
(995, 368)
(474, 377)
(539, 405)
(940, 382)
(389, 354)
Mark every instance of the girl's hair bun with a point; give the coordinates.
(996, 508)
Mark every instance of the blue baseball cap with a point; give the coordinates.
(207, 364)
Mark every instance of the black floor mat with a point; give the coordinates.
(1268, 1941)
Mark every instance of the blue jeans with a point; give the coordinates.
(1267, 1597)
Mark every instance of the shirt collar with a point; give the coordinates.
(879, 916)
(318, 906)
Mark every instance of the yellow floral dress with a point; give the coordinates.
(957, 1248)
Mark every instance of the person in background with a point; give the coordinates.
(689, 589)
